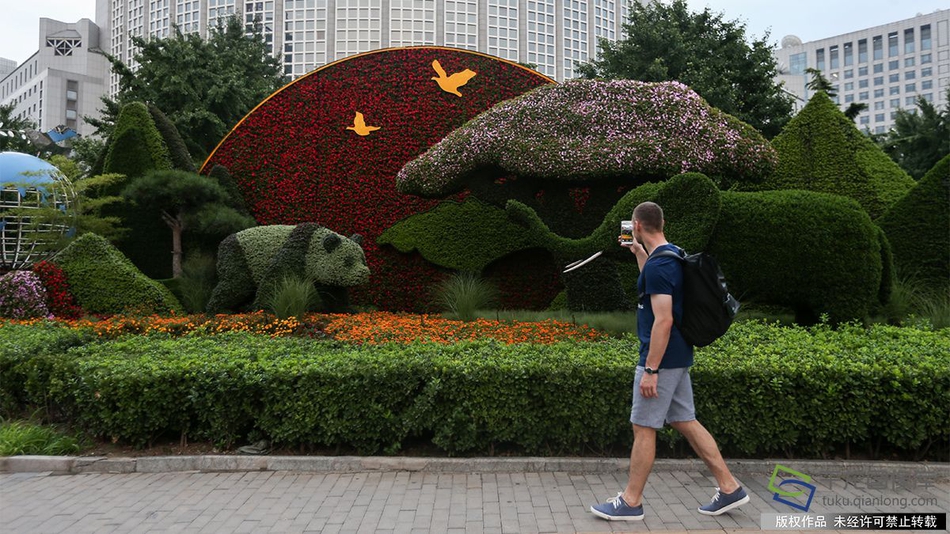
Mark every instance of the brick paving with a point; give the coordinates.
(410, 502)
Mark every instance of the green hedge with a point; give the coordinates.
(761, 390)
(917, 226)
(821, 150)
(106, 282)
(177, 151)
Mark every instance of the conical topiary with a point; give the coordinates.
(822, 150)
(917, 226)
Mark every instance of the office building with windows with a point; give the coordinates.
(306, 34)
(886, 67)
(62, 82)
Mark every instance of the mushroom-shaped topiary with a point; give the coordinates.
(587, 131)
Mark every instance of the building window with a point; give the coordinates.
(878, 44)
(820, 58)
(863, 84)
(865, 119)
(926, 72)
(879, 117)
(892, 48)
(909, 61)
(894, 65)
(926, 85)
(909, 41)
(895, 103)
(848, 74)
(925, 58)
(848, 99)
(929, 97)
(910, 75)
(910, 100)
(848, 54)
(879, 93)
(894, 90)
(925, 37)
(863, 71)
(63, 47)
(910, 88)
(863, 51)
(879, 105)
(797, 63)
(863, 95)
(878, 68)
(833, 55)
(894, 78)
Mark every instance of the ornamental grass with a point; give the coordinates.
(363, 328)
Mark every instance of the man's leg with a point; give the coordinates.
(705, 446)
(641, 463)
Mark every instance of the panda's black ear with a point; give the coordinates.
(331, 242)
(357, 238)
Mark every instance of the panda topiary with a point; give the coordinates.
(252, 262)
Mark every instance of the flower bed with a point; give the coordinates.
(364, 328)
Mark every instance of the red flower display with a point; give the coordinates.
(304, 155)
(59, 300)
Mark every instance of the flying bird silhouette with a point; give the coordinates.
(360, 127)
(451, 84)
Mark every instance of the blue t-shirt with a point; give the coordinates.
(663, 276)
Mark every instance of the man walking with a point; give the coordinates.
(662, 391)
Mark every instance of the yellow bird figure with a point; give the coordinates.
(360, 127)
(451, 84)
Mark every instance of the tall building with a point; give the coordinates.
(886, 67)
(62, 82)
(306, 34)
(6, 67)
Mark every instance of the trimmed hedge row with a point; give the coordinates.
(761, 390)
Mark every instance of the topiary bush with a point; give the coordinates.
(104, 281)
(813, 252)
(251, 262)
(822, 150)
(135, 148)
(916, 227)
(22, 296)
(463, 236)
(179, 157)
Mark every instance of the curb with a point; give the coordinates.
(62, 465)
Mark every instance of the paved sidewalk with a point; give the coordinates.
(430, 499)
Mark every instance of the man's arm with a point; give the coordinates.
(659, 339)
(662, 326)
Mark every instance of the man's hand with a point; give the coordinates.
(634, 247)
(648, 386)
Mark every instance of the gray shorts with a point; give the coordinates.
(674, 404)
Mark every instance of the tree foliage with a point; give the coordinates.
(711, 55)
(204, 86)
(920, 138)
(17, 142)
(186, 200)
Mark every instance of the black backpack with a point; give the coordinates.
(708, 308)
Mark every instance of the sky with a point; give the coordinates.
(808, 19)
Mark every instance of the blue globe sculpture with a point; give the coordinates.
(30, 191)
